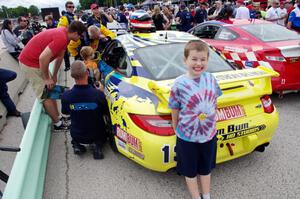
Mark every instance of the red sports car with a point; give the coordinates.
(257, 42)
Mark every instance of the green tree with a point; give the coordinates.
(20, 11)
(5, 13)
(33, 10)
(85, 4)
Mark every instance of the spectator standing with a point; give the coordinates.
(272, 13)
(201, 14)
(86, 105)
(67, 18)
(185, 19)
(294, 18)
(36, 56)
(99, 17)
(159, 19)
(9, 39)
(195, 124)
(225, 14)
(121, 18)
(282, 13)
(242, 11)
(167, 13)
(23, 31)
(289, 8)
(218, 8)
(7, 76)
(256, 13)
(51, 23)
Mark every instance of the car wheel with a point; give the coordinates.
(109, 133)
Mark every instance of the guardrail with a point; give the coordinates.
(27, 176)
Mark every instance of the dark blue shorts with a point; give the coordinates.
(195, 158)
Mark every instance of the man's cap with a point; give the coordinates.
(93, 6)
(241, 1)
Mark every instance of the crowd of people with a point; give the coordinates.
(84, 105)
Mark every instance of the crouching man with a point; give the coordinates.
(86, 105)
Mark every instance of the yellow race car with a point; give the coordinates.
(139, 70)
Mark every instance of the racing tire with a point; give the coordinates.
(109, 132)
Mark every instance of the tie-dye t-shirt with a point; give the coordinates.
(196, 100)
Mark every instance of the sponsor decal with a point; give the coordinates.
(121, 144)
(235, 49)
(239, 75)
(136, 153)
(129, 139)
(249, 64)
(234, 131)
(230, 112)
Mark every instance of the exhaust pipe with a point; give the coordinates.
(261, 148)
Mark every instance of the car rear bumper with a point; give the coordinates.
(158, 152)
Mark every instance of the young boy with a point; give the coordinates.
(193, 101)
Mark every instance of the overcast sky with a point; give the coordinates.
(38, 3)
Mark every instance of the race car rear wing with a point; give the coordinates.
(229, 80)
(245, 75)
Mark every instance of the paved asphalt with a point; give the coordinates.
(273, 174)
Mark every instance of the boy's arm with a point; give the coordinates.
(174, 118)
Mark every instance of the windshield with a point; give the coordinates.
(166, 61)
(270, 32)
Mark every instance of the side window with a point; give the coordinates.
(225, 34)
(116, 58)
(206, 32)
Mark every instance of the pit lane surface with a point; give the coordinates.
(272, 174)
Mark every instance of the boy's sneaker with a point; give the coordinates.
(79, 149)
(98, 154)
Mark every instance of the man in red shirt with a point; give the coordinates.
(36, 56)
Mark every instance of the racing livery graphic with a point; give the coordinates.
(139, 71)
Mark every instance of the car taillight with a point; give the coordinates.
(267, 104)
(155, 124)
(276, 58)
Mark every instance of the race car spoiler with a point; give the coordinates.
(224, 78)
(244, 75)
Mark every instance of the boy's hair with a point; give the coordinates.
(86, 51)
(78, 69)
(197, 45)
(77, 26)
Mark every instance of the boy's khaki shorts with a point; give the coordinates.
(34, 75)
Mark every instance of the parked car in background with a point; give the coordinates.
(254, 43)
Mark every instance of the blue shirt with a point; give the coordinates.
(186, 19)
(196, 100)
(294, 18)
(86, 105)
